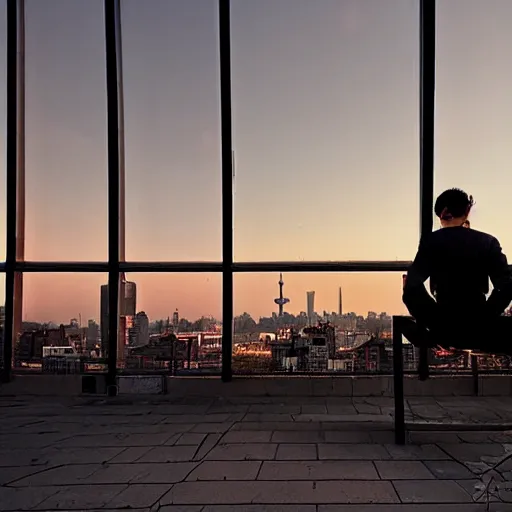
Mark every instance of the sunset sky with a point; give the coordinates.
(325, 127)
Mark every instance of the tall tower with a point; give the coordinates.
(340, 304)
(281, 300)
(310, 298)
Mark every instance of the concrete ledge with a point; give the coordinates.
(266, 386)
(43, 385)
(439, 386)
(347, 386)
(141, 384)
(495, 385)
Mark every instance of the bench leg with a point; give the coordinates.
(474, 373)
(398, 382)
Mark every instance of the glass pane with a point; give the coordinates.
(66, 157)
(326, 325)
(60, 332)
(3, 121)
(172, 129)
(174, 323)
(326, 124)
(473, 109)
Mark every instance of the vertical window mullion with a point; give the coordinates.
(227, 187)
(111, 13)
(427, 112)
(14, 12)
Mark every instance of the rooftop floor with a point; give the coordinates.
(252, 454)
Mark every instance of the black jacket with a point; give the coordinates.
(459, 262)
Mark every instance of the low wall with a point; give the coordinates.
(273, 386)
(42, 385)
(360, 386)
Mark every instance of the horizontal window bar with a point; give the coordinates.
(103, 266)
(213, 266)
(321, 266)
(172, 266)
(61, 266)
(208, 266)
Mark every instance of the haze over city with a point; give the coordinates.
(325, 132)
(50, 297)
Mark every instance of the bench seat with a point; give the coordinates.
(405, 326)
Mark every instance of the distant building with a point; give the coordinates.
(31, 344)
(75, 334)
(104, 319)
(310, 297)
(127, 308)
(139, 333)
(92, 334)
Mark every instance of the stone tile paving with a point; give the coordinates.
(252, 455)
(473, 411)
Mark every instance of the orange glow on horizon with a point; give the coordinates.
(60, 297)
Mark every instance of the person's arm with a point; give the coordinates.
(501, 279)
(420, 269)
(415, 296)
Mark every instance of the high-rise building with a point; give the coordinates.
(176, 320)
(104, 319)
(310, 297)
(127, 308)
(92, 334)
(139, 333)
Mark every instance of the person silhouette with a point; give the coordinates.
(459, 263)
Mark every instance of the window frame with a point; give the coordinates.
(114, 266)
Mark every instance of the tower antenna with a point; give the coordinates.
(281, 300)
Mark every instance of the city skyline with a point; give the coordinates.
(315, 85)
(195, 295)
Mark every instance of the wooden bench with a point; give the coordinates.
(398, 327)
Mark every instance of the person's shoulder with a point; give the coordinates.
(438, 234)
(482, 235)
(484, 239)
(463, 233)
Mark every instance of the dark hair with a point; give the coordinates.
(455, 201)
